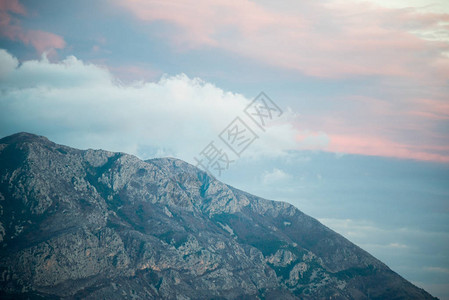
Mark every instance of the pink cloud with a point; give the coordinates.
(10, 27)
(429, 109)
(412, 128)
(369, 145)
(42, 41)
(324, 39)
(200, 23)
(12, 6)
(130, 73)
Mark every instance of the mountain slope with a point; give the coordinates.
(96, 224)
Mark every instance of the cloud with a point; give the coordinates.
(12, 6)
(397, 245)
(7, 62)
(313, 140)
(275, 176)
(429, 109)
(378, 146)
(11, 28)
(400, 49)
(42, 41)
(437, 270)
(399, 122)
(407, 251)
(192, 18)
(323, 39)
(435, 6)
(378, 239)
(130, 73)
(83, 105)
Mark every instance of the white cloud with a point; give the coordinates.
(7, 62)
(397, 245)
(275, 176)
(381, 241)
(437, 270)
(82, 105)
(434, 6)
(313, 140)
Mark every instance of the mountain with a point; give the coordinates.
(93, 224)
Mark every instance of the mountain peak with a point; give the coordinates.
(95, 224)
(22, 137)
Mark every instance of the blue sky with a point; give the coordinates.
(362, 144)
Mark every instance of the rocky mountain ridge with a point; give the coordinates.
(89, 224)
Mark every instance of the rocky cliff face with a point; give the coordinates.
(100, 225)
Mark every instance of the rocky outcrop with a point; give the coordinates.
(101, 225)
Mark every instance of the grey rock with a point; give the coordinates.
(95, 224)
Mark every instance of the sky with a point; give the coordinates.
(362, 142)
